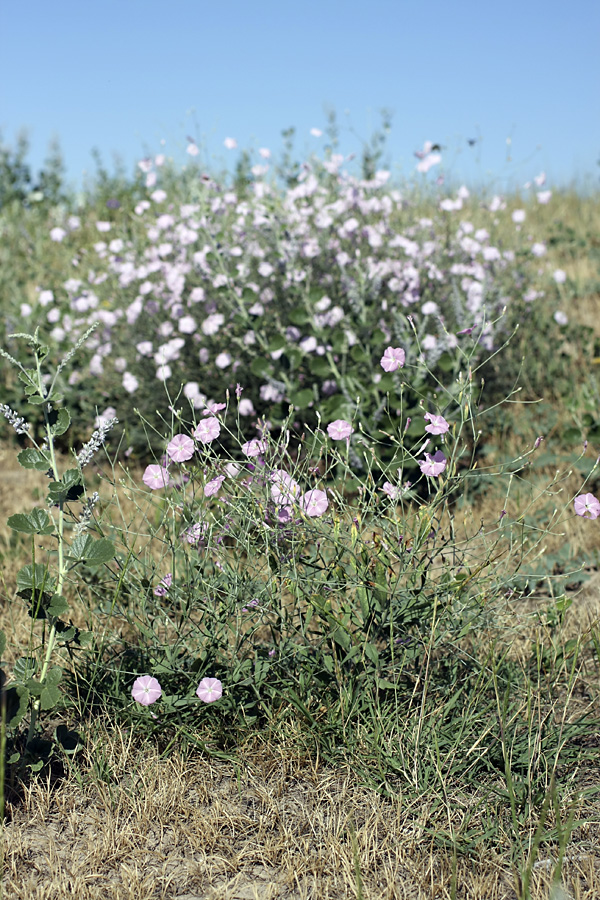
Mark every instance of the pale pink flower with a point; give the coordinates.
(265, 152)
(559, 276)
(433, 466)
(213, 408)
(284, 487)
(391, 490)
(316, 132)
(209, 690)
(392, 359)
(57, 234)
(146, 690)
(254, 448)
(103, 226)
(212, 487)
(587, 506)
(437, 424)
(314, 503)
(518, 216)
(208, 430)
(156, 477)
(339, 430)
(180, 448)
(544, 197)
(192, 149)
(230, 143)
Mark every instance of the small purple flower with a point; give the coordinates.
(432, 466)
(437, 424)
(146, 690)
(209, 690)
(392, 359)
(212, 487)
(163, 587)
(587, 506)
(155, 477)
(208, 430)
(314, 503)
(339, 430)
(194, 535)
(181, 448)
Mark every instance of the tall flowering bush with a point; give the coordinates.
(289, 293)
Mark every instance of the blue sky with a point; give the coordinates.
(122, 75)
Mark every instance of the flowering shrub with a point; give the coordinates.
(312, 298)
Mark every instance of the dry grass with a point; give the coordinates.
(269, 827)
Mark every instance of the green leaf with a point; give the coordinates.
(57, 606)
(302, 398)
(63, 421)
(93, 552)
(319, 366)
(24, 668)
(277, 343)
(33, 578)
(261, 367)
(68, 488)
(36, 400)
(298, 316)
(33, 459)
(29, 379)
(36, 522)
(51, 695)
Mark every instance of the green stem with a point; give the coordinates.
(61, 564)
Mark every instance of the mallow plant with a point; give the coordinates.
(66, 523)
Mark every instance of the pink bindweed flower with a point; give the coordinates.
(432, 466)
(156, 477)
(254, 448)
(181, 448)
(208, 430)
(213, 408)
(392, 359)
(162, 588)
(437, 424)
(230, 143)
(587, 506)
(339, 430)
(212, 487)
(314, 503)
(284, 487)
(146, 690)
(391, 490)
(209, 690)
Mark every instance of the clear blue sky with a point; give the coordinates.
(121, 75)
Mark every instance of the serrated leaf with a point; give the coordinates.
(51, 695)
(93, 552)
(53, 676)
(101, 551)
(29, 379)
(36, 400)
(20, 522)
(57, 606)
(33, 459)
(36, 522)
(63, 421)
(24, 668)
(33, 578)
